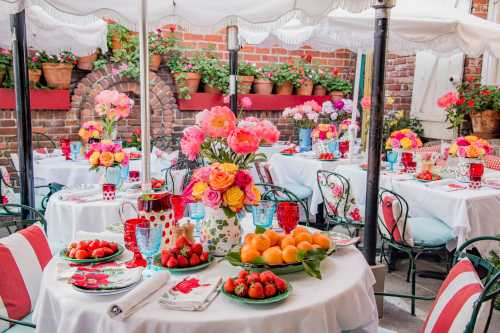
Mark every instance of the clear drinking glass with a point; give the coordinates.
(197, 213)
(148, 236)
(392, 158)
(263, 214)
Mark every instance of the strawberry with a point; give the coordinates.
(94, 245)
(241, 290)
(267, 276)
(98, 253)
(104, 243)
(253, 277)
(82, 245)
(72, 253)
(204, 257)
(182, 261)
(229, 286)
(269, 290)
(243, 274)
(107, 251)
(181, 241)
(81, 254)
(256, 291)
(194, 260)
(175, 251)
(240, 281)
(113, 246)
(165, 256)
(197, 248)
(172, 262)
(280, 284)
(186, 251)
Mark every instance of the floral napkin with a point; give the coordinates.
(191, 293)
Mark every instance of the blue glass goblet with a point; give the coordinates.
(197, 213)
(148, 236)
(392, 157)
(263, 214)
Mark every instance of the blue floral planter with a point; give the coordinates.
(305, 141)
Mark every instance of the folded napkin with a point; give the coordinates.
(191, 294)
(137, 297)
(65, 270)
(48, 159)
(77, 195)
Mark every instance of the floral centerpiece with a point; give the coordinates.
(90, 131)
(135, 140)
(338, 110)
(470, 146)
(112, 106)
(324, 132)
(346, 123)
(305, 117)
(225, 186)
(404, 139)
(109, 156)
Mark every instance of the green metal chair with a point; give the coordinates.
(181, 164)
(165, 142)
(412, 236)
(41, 140)
(340, 207)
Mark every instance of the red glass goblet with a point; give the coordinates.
(288, 215)
(343, 148)
(178, 205)
(131, 242)
(108, 191)
(65, 147)
(406, 160)
(134, 176)
(476, 171)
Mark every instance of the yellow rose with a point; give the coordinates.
(234, 198)
(453, 149)
(83, 133)
(405, 143)
(107, 159)
(229, 167)
(198, 190)
(94, 158)
(95, 134)
(471, 138)
(329, 135)
(119, 156)
(405, 131)
(220, 180)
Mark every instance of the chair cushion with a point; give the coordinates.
(21, 328)
(492, 162)
(23, 255)
(301, 191)
(429, 231)
(392, 220)
(454, 303)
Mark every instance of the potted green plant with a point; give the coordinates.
(158, 46)
(263, 83)
(5, 63)
(86, 63)
(118, 35)
(57, 69)
(34, 69)
(186, 73)
(318, 76)
(246, 76)
(215, 77)
(284, 77)
(304, 84)
(335, 85)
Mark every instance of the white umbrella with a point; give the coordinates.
(46, 33)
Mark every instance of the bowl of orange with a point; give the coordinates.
(301, 250)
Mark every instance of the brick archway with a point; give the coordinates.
(162, 100)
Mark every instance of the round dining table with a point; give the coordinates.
(342, 300)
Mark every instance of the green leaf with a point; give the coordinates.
(311, 267)
(259, 229)
(258, 261)
(229, 213)
(234, 258)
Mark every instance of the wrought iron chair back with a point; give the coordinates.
(181, 164)
(334, 182)
(166, 143)
(41, 140)
(387, 232)
(264, 172)
(15, 213)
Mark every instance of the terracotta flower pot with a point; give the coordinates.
(116, 43)
(34, 76)
(86, 63)
(336, 95)
(155, 62)
(319, 90)
(263, 86)
(210, 90)
(189, 80)
(286, 88)
(58, 76)
(2, 75)
(486, 124)
(306, 88)
(245, 83)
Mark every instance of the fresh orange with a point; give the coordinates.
(303, 236)
(299, 229)
(305, 246)
(248, 238)
(273, 236)
(322, 240)
(261, 242)
(287, 240)
(248, 254)
(272, 256)
(290, 254)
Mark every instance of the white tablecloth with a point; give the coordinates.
(303, 171)
(470, 213)
(342, 300)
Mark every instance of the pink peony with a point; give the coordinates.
(243, 141)
(191, 141)
(107, 97)
(268, 132)
(242, 179)
(462, 142)
(202, 174)
(218, 122)
(246, 102)
(211, 198)
(200, 117)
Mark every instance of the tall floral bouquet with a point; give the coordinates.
(219, 137)
(338, 110)
(470, 146)
(404, 139)
(305, 115)
(324, 132)
(344, 125)
(90, 129)
(112, 106)
(106, 154)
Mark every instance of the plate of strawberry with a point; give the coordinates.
(326, 157)
(427, 176)
(135, 156)
(289, 151)
(184, 257)
(256, 288)
(91, 251)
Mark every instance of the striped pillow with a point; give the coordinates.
(492, 162)
(23, 256)
(454, 303)
(390, 210)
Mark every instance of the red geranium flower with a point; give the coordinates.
(460, 101)
(471, 103)
(335, 71)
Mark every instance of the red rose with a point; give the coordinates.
(242, 178)
(460, 101)
(471, 103)
(335, 71)
(470, 78)
(486, 92)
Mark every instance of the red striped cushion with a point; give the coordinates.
(390, 209)
(454, 303)
(23, 256)
(492, 162)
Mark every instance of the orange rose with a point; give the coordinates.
(220, 180)
(94, 158)
(107, 159)
(119, 156)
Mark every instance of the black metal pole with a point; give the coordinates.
(382, 11)
(21, 84)
(233, 82)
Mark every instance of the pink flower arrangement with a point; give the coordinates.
(305, 115)
(404, 139)
(344, 125)
(470, 146)
(448, 100)
(324, 132)
(90, 129)
(264, 129)
(112, 106)
(106, 154)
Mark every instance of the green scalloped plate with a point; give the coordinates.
(64, 255)
(157, 263)
(271, 300)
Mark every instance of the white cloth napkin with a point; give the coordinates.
(49, 158)
(78, 194)
(137, 297)
(196, 300)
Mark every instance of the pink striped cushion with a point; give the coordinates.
(23, 256)
(454, 303)
(492, 162)
(429, 149)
